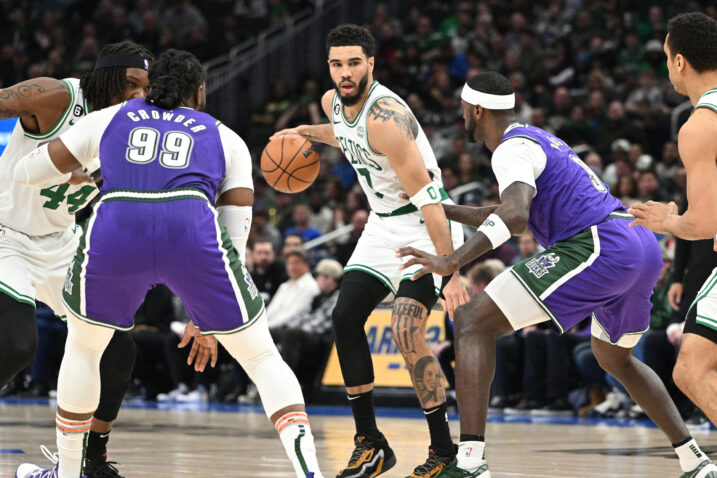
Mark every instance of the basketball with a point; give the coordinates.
(290, 163)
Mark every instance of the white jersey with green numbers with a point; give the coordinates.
(33, 211)
(379, 181)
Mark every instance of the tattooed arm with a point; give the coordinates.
(39, 103)
(323, 133)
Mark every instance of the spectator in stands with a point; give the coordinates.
(267, 272)
(358, 221)
(304, 340)
(527, 246)
(301, 227)
(262, 227)
(295, 295)
(292, 242)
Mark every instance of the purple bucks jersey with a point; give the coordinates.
(570, 197)
(164, 150)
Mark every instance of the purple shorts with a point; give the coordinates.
(136, 240)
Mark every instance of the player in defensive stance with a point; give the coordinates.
(39, 236)
(691, 48)
(594, 264)
(391, 155)
(164, 164)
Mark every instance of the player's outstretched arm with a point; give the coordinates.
(323, 133)
(510, 218)
(468, 215)
(39, 102)
(698, 151)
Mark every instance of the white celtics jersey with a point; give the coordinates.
(375, 174)
(33, 211)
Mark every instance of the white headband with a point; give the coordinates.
(486, 100)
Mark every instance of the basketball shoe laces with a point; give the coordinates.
(359, 451)
(54, 458)
(433, 462)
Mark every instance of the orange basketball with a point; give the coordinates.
(290, 163)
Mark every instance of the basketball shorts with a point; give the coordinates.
(375, 253)
(135, 240)
(606, 272)
(35, 267)
(702, 315)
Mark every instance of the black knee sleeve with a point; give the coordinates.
(423, 290)
(360, 293)
(115, 374)
(18, 339)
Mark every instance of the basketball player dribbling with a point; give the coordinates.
(379, 135)
(691, 49)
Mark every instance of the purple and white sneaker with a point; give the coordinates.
(28, 470)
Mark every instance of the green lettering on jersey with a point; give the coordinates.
(56, 195)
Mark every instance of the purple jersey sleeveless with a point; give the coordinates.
(155, 224)
(594, 262)
(189, 150)
(570, 198)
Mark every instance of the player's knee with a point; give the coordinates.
(469, 320)
(119, 356)
(686, 372)
(348, 319)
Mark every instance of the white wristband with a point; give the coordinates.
(495, 230)
(428, 194)
(37, 169)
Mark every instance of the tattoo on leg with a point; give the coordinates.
(428, 378)
(407, 319)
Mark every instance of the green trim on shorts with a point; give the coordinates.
(12, 293)
(252, 300)
(611, 342)
(708, 322)
(704, 290)
(100, 323)
(371, 271)
(545, 308)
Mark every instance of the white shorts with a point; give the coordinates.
(35, 267)
(375, 252)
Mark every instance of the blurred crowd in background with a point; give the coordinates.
(591, 72)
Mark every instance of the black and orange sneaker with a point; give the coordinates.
(433, 466)
(371, 457)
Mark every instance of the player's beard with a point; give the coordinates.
(353, 99)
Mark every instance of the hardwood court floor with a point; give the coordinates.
(181, 443)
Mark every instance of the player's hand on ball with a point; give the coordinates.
(652, 215)
(431, 264)
(455, 294)
(203, 349)
(284, 132)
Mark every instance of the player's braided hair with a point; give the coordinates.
(102, 87)
(174, 77)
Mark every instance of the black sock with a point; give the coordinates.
(97, 447)
(465, 437)
(441, 441)
(364, 416)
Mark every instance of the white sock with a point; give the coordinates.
(71, 442)
(295, 434)
(470, 455)
(690, 455)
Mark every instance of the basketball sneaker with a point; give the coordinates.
(433, 465)
(452, 471)
(371, 457)
(706, 469)
(101, 469)
(28, 470)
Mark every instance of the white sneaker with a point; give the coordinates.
(195, 396)
(171, 396)
(706, 469)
